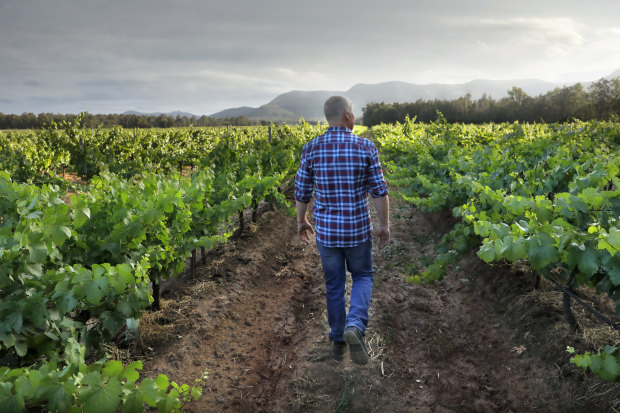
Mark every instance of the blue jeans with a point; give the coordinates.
(358, 261)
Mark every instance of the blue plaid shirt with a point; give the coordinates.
(342, 168)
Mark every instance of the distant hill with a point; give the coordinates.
(614, 74)
(235, 112)
(171, 114)
(309, 104)
(292, 105)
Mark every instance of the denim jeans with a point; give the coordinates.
(358, 260)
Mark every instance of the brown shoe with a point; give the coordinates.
(357, 348)
(338, 350)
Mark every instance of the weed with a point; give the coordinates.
(347, 395)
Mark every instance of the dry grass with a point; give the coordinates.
(592, 331)
(167, 323)
(115, 353)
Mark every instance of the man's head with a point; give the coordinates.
(339, 112)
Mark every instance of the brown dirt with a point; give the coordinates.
(254, 319)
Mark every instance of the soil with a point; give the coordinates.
(253, 319)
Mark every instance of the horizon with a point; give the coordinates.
(196, 115)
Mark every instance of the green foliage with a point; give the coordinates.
(104, 386)
(74, 272)
(40, 154)
(545, 194)
(605, 363)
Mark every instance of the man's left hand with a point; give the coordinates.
(382, 235)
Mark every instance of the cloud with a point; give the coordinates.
(550, 35)
(204, 56)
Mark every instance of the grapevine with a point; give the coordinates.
(544, 194)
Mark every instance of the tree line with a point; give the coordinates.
(600, 101)
(32, 121)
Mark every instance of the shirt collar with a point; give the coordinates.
(338, 129)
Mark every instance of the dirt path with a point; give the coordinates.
(254, 319)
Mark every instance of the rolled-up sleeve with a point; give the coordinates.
(378, 185)
(304, 180)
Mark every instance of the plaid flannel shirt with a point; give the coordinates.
(342, 168)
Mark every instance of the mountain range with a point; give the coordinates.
(290, 106)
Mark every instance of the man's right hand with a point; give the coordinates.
(302, 229)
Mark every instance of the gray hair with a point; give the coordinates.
(335, 107)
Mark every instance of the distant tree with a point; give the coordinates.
(604, 96)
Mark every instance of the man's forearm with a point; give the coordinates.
(302, 209)
(382, 205)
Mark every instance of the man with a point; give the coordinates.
(343, 169)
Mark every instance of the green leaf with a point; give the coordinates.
(95, 290)
(66, 303)
(543, 209)
(581, 360)
(59, 234)
(169, 403)
(15, 320)
(541, 250)
(34, 215)
(487, 252)
(34, 269)
(523, 226)
(60, 398)
(132, 403)
(124, 273)
(610, 369)
(162, 382)
(196, 392)
(110, 321)
(151, 216)
(518, 250)
(38, 253)
(9, 402)
(573, 254)
(23, 387)
(81, 215)
(38, 314)
(592, 197)
(113, 368)
(7, 338)
(614, 238)
(150, 391)
(98, 397)
(130, 371)
(21, 346)
(614, 276)
(126, 307)
(588, 262)
(74, 352)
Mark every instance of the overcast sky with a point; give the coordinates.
(202, 56)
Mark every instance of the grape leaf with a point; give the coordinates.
(113, 368)
(162, 382)
(38, 253)
(59, 234)
(541, 250)
(9, 402)
(588, 262)
(100, 397)
(487, 252)
(80, 216)
(150, 391)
